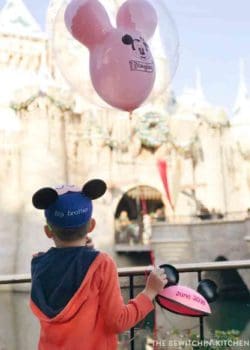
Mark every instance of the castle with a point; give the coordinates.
(48, 136)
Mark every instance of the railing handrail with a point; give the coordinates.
(140, 270)
(190, 267)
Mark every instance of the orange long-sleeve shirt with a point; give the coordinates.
(95, 314)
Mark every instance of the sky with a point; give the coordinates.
(213, 36)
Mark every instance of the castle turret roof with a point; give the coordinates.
(242, 104)
(15, 18)
(193, 99)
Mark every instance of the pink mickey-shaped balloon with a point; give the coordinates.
(87, 21)
(122, 68)
(138, 15)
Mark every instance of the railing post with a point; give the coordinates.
(131, 296)
(201, 317)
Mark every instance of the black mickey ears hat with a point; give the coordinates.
(46, 196)
(68, 206)
(94, 188)
(208, 289)
(172, 274)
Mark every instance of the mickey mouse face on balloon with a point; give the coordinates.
(122, 68)
(184, 300)
(139, 47)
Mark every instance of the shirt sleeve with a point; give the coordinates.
(117, 315)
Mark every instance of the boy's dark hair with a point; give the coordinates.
(69, 234)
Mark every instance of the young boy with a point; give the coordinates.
(75, 289)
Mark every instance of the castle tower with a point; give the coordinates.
(22, 41)
(22, 51)
(24, 106)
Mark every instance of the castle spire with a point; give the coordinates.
(193, 98)
(198, 85)
(243, 97)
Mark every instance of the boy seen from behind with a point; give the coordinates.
(75, 289)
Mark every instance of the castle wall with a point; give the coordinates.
(52, 148)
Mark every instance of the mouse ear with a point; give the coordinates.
(172, 274)
(87, 21)
(138, 15)
(44, 197)
(208, 289)
(94, 188)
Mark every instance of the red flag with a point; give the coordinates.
(162, 167)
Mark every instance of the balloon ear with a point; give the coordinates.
(172, 274)
(87, 21)
(208, 289)
(44, 197)
(94, 188)
(138, 15)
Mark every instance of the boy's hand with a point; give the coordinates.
(156, 281)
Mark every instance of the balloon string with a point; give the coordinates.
(152, 260)
(152, 257)
(143, 322)
(155, 347)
